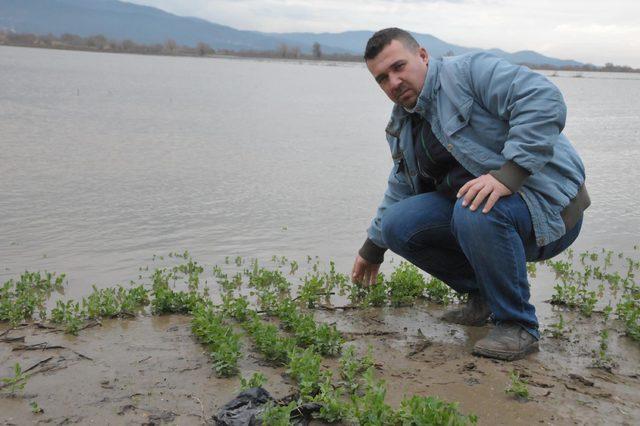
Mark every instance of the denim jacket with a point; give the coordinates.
(495, 117)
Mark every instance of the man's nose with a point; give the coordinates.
(394, 81)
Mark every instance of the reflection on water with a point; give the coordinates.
(108, 159)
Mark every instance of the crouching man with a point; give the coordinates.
(483, 181)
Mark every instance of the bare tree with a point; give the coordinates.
(316, 50)
(170, 46)
(204, 49)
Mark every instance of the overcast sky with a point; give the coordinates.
(594, 31)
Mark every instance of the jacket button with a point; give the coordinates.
(449, 147)
(540, 241)
(460, 117)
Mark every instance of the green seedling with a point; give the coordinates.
(438, 292)
(167, 301)
(352, 367)
(17, 382)
(371, 409)
(235, 307)
(405, 285)
(601, 356)
(558, 328)
(267, 341)
(70, 314)
(532, 269)
(374, 295)
(304, 367)
(256, 380)
(311, 290)
(223, 344)
(334, 408)
(328, 340)
(518, 386)
(428, 410)
(35, 408)
(276, 415)
(20, 299)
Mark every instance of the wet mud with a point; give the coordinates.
(151, 370)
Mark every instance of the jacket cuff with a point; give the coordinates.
(511, 175)
(371, 252)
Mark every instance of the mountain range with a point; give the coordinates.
(148, 25)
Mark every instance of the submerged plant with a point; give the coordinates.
(20, 299)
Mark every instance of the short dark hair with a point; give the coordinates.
(383, 38)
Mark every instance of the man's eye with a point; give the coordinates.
(399, 67)
(381, 80)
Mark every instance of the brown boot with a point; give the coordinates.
(506, 341)
(474, 313)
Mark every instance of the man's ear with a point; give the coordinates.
(424, 55)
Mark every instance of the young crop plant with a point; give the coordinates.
(264, 279)
(405, 285)
(17, 382)
(304, 367)
(428, 410)
(328, 340)
(256, 380)
(352, 367)
(438, 292)
(601, 357)
(70, 314)
(167, 301)
(235, 307)
(223, 344)
(277, 415)
(370, 409)
(518, 386)
(311, 290)
(113, 302)
(628, 311)
(333, 408)
(557, 329)
(21, 299)
(267, 341)
(375, 295)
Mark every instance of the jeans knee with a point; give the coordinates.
(466, 224)
(392, 229)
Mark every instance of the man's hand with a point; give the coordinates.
(475, 191)
(364, 273)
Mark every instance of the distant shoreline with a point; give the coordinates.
(100, 44)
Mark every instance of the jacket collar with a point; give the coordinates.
(424, 102)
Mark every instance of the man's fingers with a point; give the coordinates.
(480, 197)
(366, 277)
(465, 187)
(356, 273)
(471, 193)
(491, 201)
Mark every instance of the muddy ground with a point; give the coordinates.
(150, 370)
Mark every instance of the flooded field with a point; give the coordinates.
(111, 161)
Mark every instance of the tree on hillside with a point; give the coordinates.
(316, 50)
(170, 46)
(204, 49)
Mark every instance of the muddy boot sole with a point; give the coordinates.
(505, 355)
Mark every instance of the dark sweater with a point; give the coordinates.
(438, 170)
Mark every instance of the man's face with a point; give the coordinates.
(400, 72)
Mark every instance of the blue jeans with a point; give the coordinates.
(473, 251)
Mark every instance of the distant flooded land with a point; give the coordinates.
(100, 43)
